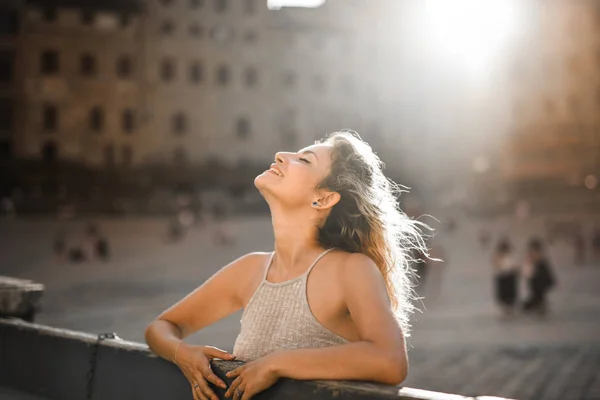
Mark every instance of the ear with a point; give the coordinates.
(328, 199)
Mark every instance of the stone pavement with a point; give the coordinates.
(459, 344)
(519, 372)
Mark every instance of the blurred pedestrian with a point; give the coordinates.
(96, 244)
(596, 243)
(222, 231)
(579, 248)
(175, 230)
(539, 275)
(484, 238)
(506, 273)
(60, 246)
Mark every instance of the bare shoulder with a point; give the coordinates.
(359, 265)
(248, 264)
(359, 273)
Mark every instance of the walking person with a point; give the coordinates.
(506, 273)
(596, 243)
(540, 277)
(334, 298)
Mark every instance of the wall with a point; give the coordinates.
(55, 363)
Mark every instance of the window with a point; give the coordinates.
(242, 128)
(179, 123)
(249, 6)
(96, 119)
(221, 34)
(5, 149)
(126, 155)
(87, 17)
(50, 118)
(7, 59)
(49, 14)
(167, 70)
(196, 30)
(124, 67)
(87, 65)
(250, 77)
(250, 37)
(221, 5)
(124, 20)
(179, 156)
(9, 21)
(167, 27)
(128, 121)
(49, 63)
(196, 72)
(289, 79)
(196, 3)
(6, 113)
(109, 155)
(49, 152)
(222, 75)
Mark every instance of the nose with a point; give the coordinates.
(280, 157)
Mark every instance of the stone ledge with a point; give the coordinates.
(20, 298)
(54, 364)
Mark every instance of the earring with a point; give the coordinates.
(315, 203)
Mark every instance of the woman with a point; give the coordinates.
(505, 276)
(540, 277)
(331, 302)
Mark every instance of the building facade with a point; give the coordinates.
(553, 84)
(79, 73)
(188, 81)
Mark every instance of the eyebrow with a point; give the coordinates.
(311, 152)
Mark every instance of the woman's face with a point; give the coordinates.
(293, 177)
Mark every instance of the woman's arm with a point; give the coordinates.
(379, 356)
(218, 297)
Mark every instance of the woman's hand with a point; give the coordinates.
(252, 378)
(194, 362)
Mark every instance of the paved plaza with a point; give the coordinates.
(460, 343)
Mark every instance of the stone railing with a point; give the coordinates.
(20, 298)
(61, 364)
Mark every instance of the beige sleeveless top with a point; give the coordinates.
(278, 317)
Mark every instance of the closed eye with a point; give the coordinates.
(304, 160)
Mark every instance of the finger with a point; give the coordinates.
(239, 392)
(218, 353)
(248, 393)
(210, 376)
(206, 391)
(197, 393)
(236, 372)
(234, 385)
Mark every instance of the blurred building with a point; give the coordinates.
(553, 86)
(185, 81)
(233, 81)
(9, 26)
(78, 81)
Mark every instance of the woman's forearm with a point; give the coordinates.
(352, 361)
(163, 338)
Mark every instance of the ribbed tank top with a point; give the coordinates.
(278, 317)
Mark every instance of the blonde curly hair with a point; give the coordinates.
(368, 219)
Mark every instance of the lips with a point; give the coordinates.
(275, 169)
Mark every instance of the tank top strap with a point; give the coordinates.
(317, 260)
(268, 267)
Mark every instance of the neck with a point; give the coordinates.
(296, 240)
